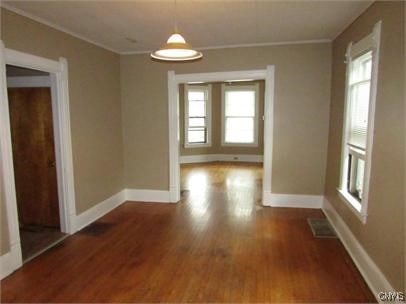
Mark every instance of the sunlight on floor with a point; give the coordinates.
(197, 185)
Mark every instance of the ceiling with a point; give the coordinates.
(204, 23)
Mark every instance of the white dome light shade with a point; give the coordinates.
(176, 38)
(176, 49)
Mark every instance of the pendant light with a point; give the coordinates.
(176, 48)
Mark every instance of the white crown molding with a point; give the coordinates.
(79, 36)
(246, 45)
(55, 26)
(373, 276)
(351, 21)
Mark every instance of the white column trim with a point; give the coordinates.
(268, 131)
(62, 134)
(12, 259)
(173, 108)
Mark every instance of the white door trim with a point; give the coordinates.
(28, 81)
(62, 135)
(173, 109)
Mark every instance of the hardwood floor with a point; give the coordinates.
(36, 239)
(217, 245)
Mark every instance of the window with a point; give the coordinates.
(240, 115)
(362, 60)
(197, 116)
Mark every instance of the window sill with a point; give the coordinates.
(186, 146)
(353, 204)
(252, 145)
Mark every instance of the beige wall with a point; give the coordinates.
(216, 100)
(383, 235)
(302, 91)
(94, 89)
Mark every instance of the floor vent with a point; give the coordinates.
(321, 228)
(96, 229)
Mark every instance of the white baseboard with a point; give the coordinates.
(204, 158)
(373, 276)
(143, 195)
(292, 200)
(10, 261)
(92, 214)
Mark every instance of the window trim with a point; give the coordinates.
(224, 88)
(370, 42)
(207, 89)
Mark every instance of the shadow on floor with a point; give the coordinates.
(37, 239)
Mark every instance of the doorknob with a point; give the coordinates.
(51, 164)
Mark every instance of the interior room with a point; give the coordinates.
(221, 144)
(221, 136)
(202, 151)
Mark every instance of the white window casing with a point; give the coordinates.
(362, 59)
(251, 115)
(206, 90)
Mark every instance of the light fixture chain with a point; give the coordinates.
(176, 17)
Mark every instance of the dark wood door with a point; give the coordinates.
(34, 156)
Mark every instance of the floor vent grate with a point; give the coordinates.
(96, 229)
(321, 228)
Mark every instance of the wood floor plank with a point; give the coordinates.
(217, 245)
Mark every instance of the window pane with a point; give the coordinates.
(356, 176)
(359, 182)
(366, 68)
(197, 108)
(361, 68)
(359, 106)
(239, 130)
(197, 122)
(196, 95)
(197, 135)
(240, 103)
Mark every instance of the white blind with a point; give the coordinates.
(359, 86)
(240, 116)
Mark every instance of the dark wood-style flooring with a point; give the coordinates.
(36, 239)
(217, 245)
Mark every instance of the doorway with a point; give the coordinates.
(58, 72)
(174, 80)
(34, 159)
(221, 143)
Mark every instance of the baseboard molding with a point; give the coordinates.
(143, 195)
(373, 276)
(204, 158)
(10, 261)
(94, 213)
(292, 200)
